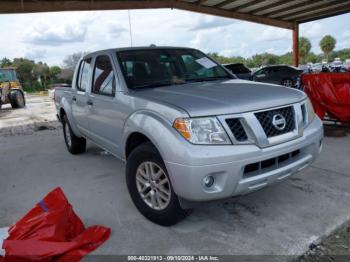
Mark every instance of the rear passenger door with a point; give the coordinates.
(105, 118)
(80, 96)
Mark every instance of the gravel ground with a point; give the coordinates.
(38, 114)
(335, 247)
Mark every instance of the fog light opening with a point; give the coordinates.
(208, 181)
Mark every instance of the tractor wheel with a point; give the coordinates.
(17, 99)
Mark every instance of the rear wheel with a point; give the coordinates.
(75, 145)
(150, 187)
(17, 99)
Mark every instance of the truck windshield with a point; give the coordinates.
(145, 68)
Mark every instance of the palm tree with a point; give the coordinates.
(327, 45)
(304, 48)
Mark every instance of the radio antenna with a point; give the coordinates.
(130, 29)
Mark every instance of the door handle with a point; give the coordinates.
(90, 103)
(74, 99)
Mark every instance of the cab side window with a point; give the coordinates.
(263, 72)
(84, 75)
(104, 82)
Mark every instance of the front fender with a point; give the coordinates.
(156, 128)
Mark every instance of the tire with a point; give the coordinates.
(287, 82)
(163, 212)
(17, 99)
(75, 145)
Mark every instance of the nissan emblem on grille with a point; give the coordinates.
(279, 121)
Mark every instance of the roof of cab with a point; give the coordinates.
(152, 47)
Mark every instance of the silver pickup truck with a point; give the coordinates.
(187, 129)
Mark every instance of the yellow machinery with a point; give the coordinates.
(10, 89)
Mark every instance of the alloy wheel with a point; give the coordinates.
(153, 185)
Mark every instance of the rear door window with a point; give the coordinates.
(104, 80)
(238, 69)
(84, 75)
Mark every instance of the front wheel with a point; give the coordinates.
(150, 187)
(75, 145)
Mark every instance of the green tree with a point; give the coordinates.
(5, 62)
(28, 73)
(265, 59)
(24, 68)
(286, 59)
(72, 60)
(69, 64)
(312, 58)
(304, 48)
(327, 45)
(42, 72)
(54, 73)
(343, 54)
(226, 60)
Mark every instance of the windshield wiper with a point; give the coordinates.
(207, 79)
(154, 84)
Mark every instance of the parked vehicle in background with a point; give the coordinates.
(338, 66)
(11, 91)
(239, 70)
(278, 74)
(53, 87)
(316, 67)
(305, 68)
(187, 129)
(347, 64)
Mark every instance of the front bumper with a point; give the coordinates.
(229, 166)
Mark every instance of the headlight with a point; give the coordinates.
(310, 113)
(204, 131)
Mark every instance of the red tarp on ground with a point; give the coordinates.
(329, 93)
(51, 231)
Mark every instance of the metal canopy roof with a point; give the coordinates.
(280, 13)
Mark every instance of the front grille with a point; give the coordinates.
(263, 166)
(237, 129)
(265, 118)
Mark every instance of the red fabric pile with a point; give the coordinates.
(51, 231)
(329, 93)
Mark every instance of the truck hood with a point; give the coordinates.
(222, 97)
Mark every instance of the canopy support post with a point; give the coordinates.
(296, 44)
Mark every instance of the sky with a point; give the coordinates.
(50, 37)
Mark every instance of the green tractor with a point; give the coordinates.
(11, 91)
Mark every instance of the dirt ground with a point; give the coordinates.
(335, 247)
(38, 114)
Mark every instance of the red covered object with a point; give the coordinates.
(51, 231)
(329, 93)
